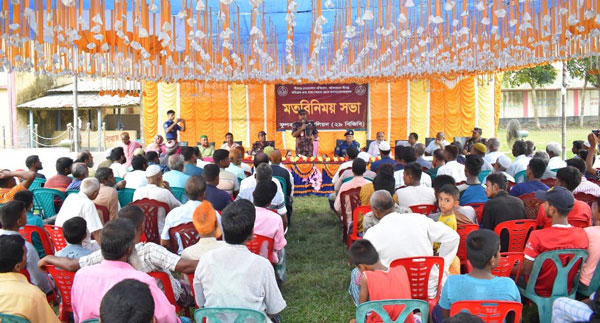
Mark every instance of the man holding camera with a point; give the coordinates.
(171, 126)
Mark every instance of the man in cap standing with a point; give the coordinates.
(305, 132)
(340, 150)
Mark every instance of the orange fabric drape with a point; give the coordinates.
(205, 122)
(451, 113)
(379, 109)
(187, 110)
(150, 114)
(219, 106)
(467, 105)
(271, 118)
(399, 106)
(437, 107)
(256, 101)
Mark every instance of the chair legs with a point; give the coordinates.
(544, 306)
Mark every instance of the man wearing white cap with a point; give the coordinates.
(384, 151)
(501, 165)
(158, 190)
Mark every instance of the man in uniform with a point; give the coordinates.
(340, 150)
(475, 138)
(305, 132)
(260, 145)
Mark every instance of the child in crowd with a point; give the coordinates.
(74, 230)
(377, 282)
(27, 198)
(483, 251)
(448, 199)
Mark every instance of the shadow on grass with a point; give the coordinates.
(318, 273)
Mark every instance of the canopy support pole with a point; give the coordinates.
(75, 117)
(563, 92)
(99, 128)
(30, 128)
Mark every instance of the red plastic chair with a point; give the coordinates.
(510, 185)
(363, 209)
(507, 262)
(478, 207)
(425, 209)
(64, 282)
(463, 231)
(103, 213)
(167, 287)
(151, 209)
(518, 231)
(531, 205)
(587, 198)
(256, 246)
(418, 270)
(579, 223)
(187, 233)
(353, 195)
(28, 230)
(549, 181)
(190, 279)
(489, 311)
(56, 235)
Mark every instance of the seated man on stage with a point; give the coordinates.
(439, 143)
(206, 149)
(260, 144)
(305, 132)
(374, 146)
(340, 150)
(475, 138)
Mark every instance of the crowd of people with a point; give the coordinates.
(229, 202)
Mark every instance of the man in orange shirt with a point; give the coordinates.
(9, 186)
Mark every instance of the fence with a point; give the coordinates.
(29, 137)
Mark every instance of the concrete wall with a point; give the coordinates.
(519, 103)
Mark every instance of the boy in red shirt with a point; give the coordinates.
(377, 282)
(581, 214)
(558, 202)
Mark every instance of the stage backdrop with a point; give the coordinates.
(397, 109)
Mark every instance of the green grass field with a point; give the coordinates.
(544, 136)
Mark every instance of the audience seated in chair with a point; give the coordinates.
(117, 156)
(17, 296)
(217, 197)
(108, 196)
(420, 151)
(74, 230)
(501, 206)
(80, 172)
(176, 177)
(555, 161)
(26, 197)
(384, 151)
(235, 166)
(439, 160)
(535, 170)
(60, 181)
(472, 191)
(586, 186)
(483, 251)
(452, 166)
(267, 222)
(439, 143)
(500, 166)
(190, 160)
(128, 301)
(227, 180)
(359, 167)
(9, 186)
(480, 149)
(232, 276)
(206, 221)
(377, 282)
(581, 213)
(492, 145)
(343, 170)
(147, 257)
(414, 193)
(137, 177)
(34, 164)
(408, 155)
(464, 214)
(519, 150)
(558, 202)
(82, 205)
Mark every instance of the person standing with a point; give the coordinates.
(305, 132)
(171, 126)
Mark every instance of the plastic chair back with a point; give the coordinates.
(561, 282)
(151, 209)
(351, 196)
(425, 209)
(478, 207)
(185, 233)
(125, 196)
(587, 198)
(463, 231)
(593, 286)
(179, 193)
(520, 176)
(418, 270)
(283, 183)
(507, 263)
(44, 197)
(103, 213)
(483, 175)
(165, 281)
(8, 318)
(27, 232)
(364, 209)
(56, 235)
(257, 246)
(548, 181)
(531, 205)
(91, 321)
(229, 314)
(37, 183)
(64, 282)
(377, 307)
(190, 279)
(518, 231)
(510, 185)
(69, 192)
(489, 311)
(579, 223)
(118, 179)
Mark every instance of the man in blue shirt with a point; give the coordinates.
(384, 152)
(171, 126)
(535, 171)
(190, 159)
(475, 192)
(340, 150)
(217, 197)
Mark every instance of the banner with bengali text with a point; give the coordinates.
(330, 106)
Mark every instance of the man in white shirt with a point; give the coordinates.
(137, 178)
(232, 276)
(409, 235)
(452, 167)
(117, 155)
(502, 163)
(554, 151)
(82, 205)
(352, 154)
(414, 193)
(228, 182)
(519, 150)
(154, 190)
(406, 156)
(374, 146)
(492, 150)
(194, 189)
(439, 143)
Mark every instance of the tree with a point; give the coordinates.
(587, 69)
(536, 77)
